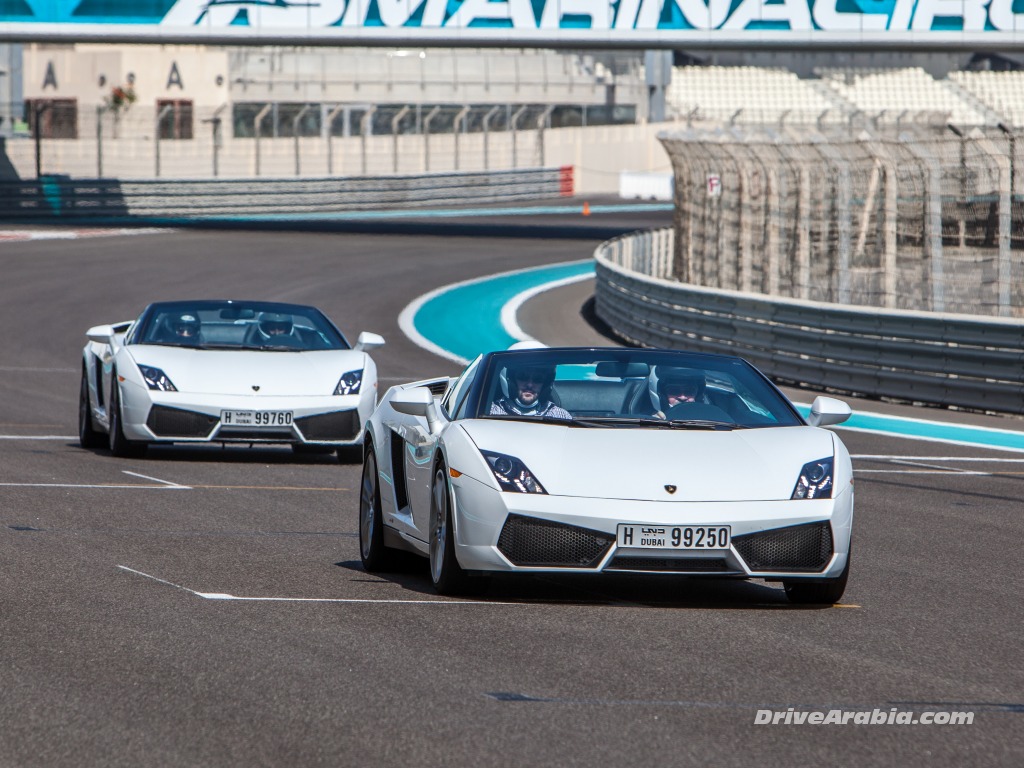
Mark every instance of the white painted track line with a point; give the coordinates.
(228, 597)
(101, 486)
(156, 480)
(885, 457)
(39, 437)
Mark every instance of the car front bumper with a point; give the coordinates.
(517, 532)
(179, 417)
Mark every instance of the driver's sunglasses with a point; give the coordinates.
(680, 392)
(531, 377)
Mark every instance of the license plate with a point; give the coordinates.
(674, 536)
(256, 418)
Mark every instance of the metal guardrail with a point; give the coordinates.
(947, 359)
(67, 198)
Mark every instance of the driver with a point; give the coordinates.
(675, 387)
(186, 327)
(275, 325)
(529, 389)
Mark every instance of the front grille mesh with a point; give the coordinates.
(528, 541)
(670, 564)
(340, 425)
(796, 548)
(175, 422)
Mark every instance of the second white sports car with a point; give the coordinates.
(225, 372)
(609, 460)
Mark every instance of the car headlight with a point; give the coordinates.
(157, 379)
(511, 474)
(815, 480)
(350, 383)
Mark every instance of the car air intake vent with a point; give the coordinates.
(340, 425)
(438, 388)
(174, 422)
(669, 564)
(796, 548)
(528, 541)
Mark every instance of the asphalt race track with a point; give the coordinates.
(207, 607)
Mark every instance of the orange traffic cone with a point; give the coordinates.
(586, 209)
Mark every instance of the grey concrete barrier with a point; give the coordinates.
(929, 357)
(66, 198)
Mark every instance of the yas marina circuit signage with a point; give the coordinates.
(968, 24)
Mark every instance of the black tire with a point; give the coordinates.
(88, 435)
(350, 454)
(120, 445)
(375, 556)
(445, 572)
(824, 592)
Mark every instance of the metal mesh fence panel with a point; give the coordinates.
(910, 220)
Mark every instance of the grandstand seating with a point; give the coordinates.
(1002, 92)
(897, 93)
(903, 95)
(744, 94)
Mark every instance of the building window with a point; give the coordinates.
(176, 120)
(58, 118)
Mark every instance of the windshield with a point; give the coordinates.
(629, 388)
(238, 325)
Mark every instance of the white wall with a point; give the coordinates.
(598, 154)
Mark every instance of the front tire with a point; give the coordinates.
(350, 454)
(375, 556)
(88, 435)
(445, 572)
(825, 592)
(120, 445)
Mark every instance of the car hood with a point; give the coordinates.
(631, 463)
(239, 372)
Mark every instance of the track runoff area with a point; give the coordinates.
(208, 605)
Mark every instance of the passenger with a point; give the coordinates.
(529, 393)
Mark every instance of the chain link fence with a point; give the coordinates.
(911, 220)
(176, 139)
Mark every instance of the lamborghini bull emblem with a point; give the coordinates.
(671, 488)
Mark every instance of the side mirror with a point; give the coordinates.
(413, 402)
(368, 341)
(101, 334)
(418, 401)
(828, 410)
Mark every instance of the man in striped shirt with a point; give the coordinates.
(529, 394)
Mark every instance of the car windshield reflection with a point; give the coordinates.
(233, 325)
(630, 388)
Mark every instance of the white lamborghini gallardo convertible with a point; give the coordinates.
(608, 460)
(225, 372)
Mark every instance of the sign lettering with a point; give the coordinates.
(675, 23)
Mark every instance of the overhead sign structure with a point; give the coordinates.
(690, 24)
